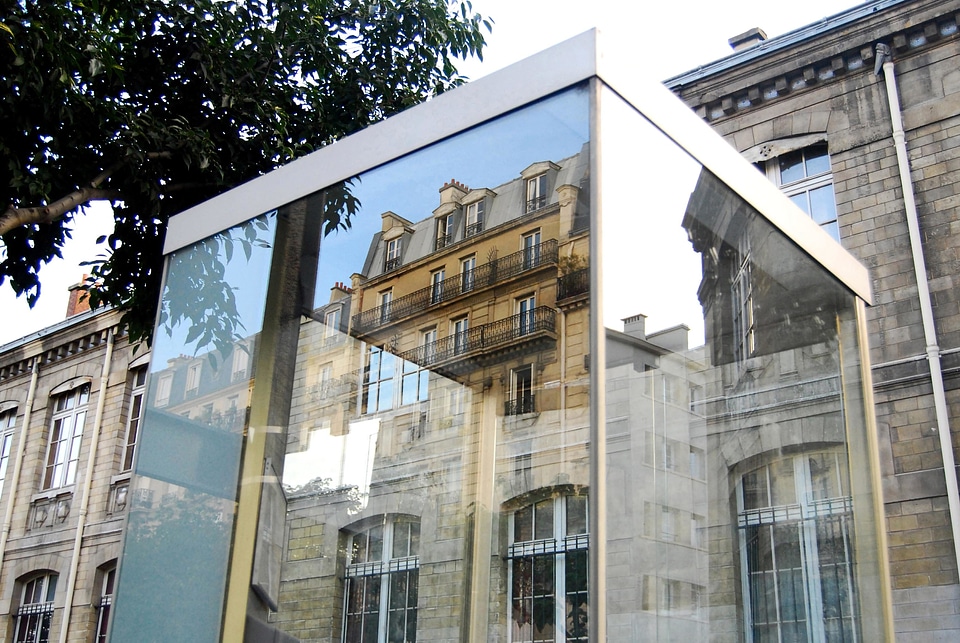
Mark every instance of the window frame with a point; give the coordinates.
(392, 254)
(444, 232)
(108, 576)
(522, 399)
(436, 285)
(383, 571)
(8, 424)
(526, 307)
(564, 546)
(805, 515)
(807, 184)
(536, 193)
(34, 615)
(468, 273)
(138, 391)
(474, 218)
(63, 452)
(460, 331)
(530, 243)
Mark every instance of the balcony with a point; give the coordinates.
(444, 240)
(489, 343)
(521, 406)
(574, 284)
(482, 276)
(391, 264)
(473, 228)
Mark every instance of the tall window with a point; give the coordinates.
(378, 380)
(133, 420)
(436, 286)
(193, 377)
(382, 581)
(548, 571)
(795, 530)
(332, 331)
(536, 192)
(241, 360)
(8, 420)
(521, 398)
(428, 340)
(392, 261)
(63, 452)
(164, 387)
(468, 267)
(474, 220)
(36, 610)
(805, 176)
(526, 310)
(741, 286)
(531, 250)
(106, 600)
(414, 382)
(386, 301)
(461, 337)
(444, 231)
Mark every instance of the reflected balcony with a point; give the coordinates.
(488, 344)
(482, 277)
(573, 287)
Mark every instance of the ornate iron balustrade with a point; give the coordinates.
(573, 284)
(391, 264)
(444, 240)
(520, 406)
(483, 337)
(473, 228)
(536, 203)
(482, 276)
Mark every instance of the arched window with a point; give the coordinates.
(382, 581)
(796, 556)
(63, 452)
(548, 570)
(107, 576)
(36, 610)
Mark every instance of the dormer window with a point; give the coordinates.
(392, 261)
(474, 219)
(444, 231)
(536, 192)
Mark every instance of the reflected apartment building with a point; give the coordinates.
(486, 295)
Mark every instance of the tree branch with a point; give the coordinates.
(16, 217)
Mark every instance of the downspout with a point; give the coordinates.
(18, 462)
(87, 484)
(885, 61)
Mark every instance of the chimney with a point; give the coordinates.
(79, 302)
(635, 326)
(747, 39)
(453, 191)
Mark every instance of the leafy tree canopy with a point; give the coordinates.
(156, 105)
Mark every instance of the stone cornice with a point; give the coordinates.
(829, 58)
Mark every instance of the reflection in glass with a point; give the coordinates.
(739, 521)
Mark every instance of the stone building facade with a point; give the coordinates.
(811, 111)
(70, 407)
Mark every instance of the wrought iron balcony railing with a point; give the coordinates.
(391, 264)
(483, 338)
(573, 284)
(524, 404)
(482, 276)
(536, 203)
(444, 240)
(473, 228)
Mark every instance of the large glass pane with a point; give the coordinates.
(184, 494)
(726, 342)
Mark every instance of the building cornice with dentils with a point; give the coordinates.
(826, 52)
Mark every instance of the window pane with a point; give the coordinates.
(791, 167)
(823, 204)
(818, 161)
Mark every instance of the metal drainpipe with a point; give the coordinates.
(87, 484)
(18, 462)
(923, 287)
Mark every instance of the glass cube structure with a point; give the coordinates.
(540, 360)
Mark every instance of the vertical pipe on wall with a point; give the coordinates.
(87, 485)
(926, 307)
(18, 461)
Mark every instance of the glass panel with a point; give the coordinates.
(732, 310)
(185, 488)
